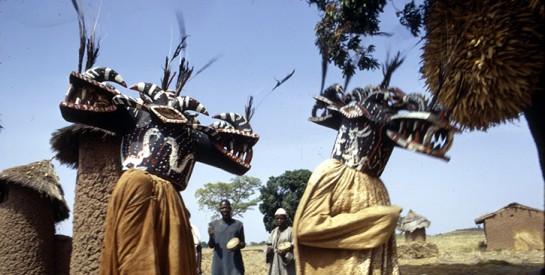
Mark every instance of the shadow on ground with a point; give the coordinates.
(499, 267)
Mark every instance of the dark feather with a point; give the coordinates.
(208, 64)
(82, 34)
(280, 82)
(184, 75)
(388, 69)
(180, 47)
(166, 75)
(183, 35)
(324, 71)
(346, 81)
(441, 80)
(181, 24)
(249, 110)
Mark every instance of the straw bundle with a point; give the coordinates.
(528, 240)
(490, 56)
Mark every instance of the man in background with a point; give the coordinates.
(279, 253)
(226, 261)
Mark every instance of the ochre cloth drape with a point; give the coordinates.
(147, 228)
(344, 224)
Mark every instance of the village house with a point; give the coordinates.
(514, 226)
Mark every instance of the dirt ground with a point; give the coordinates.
(503, 262)
(464, 252)
(459, 252)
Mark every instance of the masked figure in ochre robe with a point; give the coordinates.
(344, 222)
(147, 223)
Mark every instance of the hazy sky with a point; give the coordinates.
(258, 41)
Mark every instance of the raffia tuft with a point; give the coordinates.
(41, 177)
(491, 55)
(65, 142)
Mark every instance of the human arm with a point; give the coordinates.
(241, 237)
(199, 258)
(211, 233)
(269, 251)
(287, 255)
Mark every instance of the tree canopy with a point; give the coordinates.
(283, 191)
(239, 192)
(345, 23)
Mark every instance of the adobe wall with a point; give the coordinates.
(98, 171)
(63, 249)
(27, 233)
(501, 228)
(417, 235)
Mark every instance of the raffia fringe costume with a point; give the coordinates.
(344, 224)
(147, 228)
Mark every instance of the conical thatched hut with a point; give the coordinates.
(414, 226)
(31, 202)
(95, 154)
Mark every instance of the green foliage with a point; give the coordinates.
(344, 24)
(239, 192)
(412, 17)
(283, 191)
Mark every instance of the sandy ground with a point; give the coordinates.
(452, 253)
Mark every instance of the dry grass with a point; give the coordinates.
(459, 253)
(253, 256)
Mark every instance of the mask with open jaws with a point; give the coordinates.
(160, 134)
(89, 99)
(421, 132)
(370, 121)
(229, 140)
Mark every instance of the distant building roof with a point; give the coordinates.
(413, 221)
(41, 177)
(481, 219)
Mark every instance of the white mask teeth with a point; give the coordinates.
(245, 148)
(243, 156)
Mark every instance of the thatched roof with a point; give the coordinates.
(65, 141)
(488, 56)
(413, 221)
(512, 205)
(41, 177)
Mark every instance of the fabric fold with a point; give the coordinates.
(344, 224)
